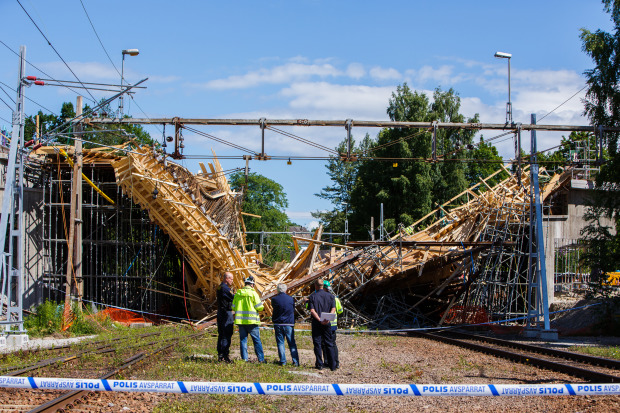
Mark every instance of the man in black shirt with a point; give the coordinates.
(322, 302)
(225, 320)
(283, 318)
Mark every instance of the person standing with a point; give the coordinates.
(283, 318)
(322, 302)
(334, 324)
(246, 305)
(225, 321)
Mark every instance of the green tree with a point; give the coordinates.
(487, 161)
(602, 106)
(408, 188)
(266, 198)
(343, 174)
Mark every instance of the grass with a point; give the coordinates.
(226, 403)
(610, 352)
(183, 366)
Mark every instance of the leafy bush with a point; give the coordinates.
(46, 320)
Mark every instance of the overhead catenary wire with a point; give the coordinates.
(303, 140)
(40, 70)
(31, 100)
(7, 105)
(223, 141)
(143, 112)
(9, 96)
(561, 104)
(99, 38)
(53, 48)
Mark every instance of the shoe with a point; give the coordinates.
(319, 367)
(296, 364)
(228, 360)
(281, 363)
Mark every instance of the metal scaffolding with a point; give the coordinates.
(128, 261)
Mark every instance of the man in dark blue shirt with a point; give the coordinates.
(225, 320)
(283, 318)
(322, 302)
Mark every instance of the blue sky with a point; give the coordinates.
(307, 59)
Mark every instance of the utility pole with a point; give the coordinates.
(538, 302)
(12, 220)
(77, 175)
(74, 261)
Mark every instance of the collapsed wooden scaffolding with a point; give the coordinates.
(432, 267)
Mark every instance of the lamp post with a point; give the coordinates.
(502, 55)
(130, 52)
(346, 221)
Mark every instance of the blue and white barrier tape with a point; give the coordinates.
(317, 389)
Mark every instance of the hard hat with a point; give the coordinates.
(327, 284)
(249, 280)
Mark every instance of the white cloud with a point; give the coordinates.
(339, 101)
(86, 71)
(443, 75)
(356, 71)
(279, 74)
(381, 73)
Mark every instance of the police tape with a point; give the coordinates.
(315, 389)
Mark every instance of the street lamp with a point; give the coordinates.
(346, 221)
(130, 52)
(502, 55)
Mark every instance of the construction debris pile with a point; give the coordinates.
(473, 256)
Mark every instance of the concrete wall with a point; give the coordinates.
(567, 226)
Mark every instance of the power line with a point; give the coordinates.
(40, 70)
(578, 92)
(7, 105)
(98, 38)
(53, 48)
(35, 102)
(9, 96)
(144, 113)
(7, 121)
(303, 140)
(225, 142)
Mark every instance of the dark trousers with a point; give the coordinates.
(225, 328)
(322, 335)
(334, 328)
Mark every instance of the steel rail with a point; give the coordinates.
(100, 348)
(70, 399)
(592, 376)
(568, 355)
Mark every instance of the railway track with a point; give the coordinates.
(590, 368)
(73, 399)
(95, 347)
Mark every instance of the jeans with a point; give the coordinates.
(254, 332)
(289, 333)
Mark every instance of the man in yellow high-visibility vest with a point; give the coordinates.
(246, 305)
